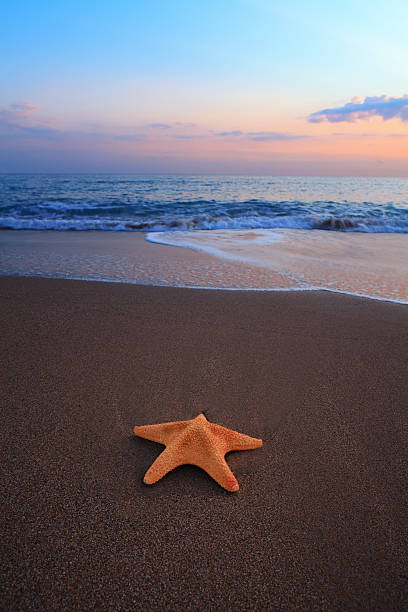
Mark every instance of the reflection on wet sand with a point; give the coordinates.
(372, 265)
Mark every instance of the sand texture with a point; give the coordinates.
(320, 521)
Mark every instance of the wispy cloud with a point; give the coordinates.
(274, 136)
(374, 106)
(261, 136)
(18, 122)
(185, 124)
(188, 136)
(354, 135)
(131, 137)
(15, 113)
(233, 133)
(171, 126)
(160, 126)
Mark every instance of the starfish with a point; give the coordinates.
(195, 442)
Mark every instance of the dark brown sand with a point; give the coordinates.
(320, 522)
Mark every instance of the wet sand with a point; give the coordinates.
(367, 265)
(125, 257)
(362, 264)
(320, 521)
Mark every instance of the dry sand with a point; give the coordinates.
(320, 521)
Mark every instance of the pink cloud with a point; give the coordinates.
(15, 113)
(374, 106)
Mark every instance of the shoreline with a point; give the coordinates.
(129, 257)
(203, 288)
(320, 519)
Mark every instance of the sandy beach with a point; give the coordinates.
(365, 265)
(320, 521)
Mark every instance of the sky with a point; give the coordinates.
(275, 87)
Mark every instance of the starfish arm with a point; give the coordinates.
(162, 432)
(233, 440)
(195, 442)
(164, 463)
(217, 468)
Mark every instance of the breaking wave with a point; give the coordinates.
(208, 222)
(164, 203)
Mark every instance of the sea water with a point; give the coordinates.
(342, 234)
(163, 203)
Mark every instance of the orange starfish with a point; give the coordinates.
(195, 442)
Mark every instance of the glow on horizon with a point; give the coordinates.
(246, 87)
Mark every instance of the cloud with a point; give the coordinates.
(131, 137)
(16, 113)
(171, 126)
(17, 124)
(367, 135)
(233, 133)
(375, 106)
(261, 136)
(15, 121)
(21, 127)
(188, 136)
(185, 124)
(160, 126)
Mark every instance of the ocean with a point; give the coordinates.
(163, 203)
(270, 233)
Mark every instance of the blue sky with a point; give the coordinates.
(111, 69)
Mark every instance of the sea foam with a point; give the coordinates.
(178, 203)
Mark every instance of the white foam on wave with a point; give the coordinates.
(373, 266)
(198, 241)
(370, 265)
(205, 221)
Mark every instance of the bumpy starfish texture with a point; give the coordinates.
(195, 442)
